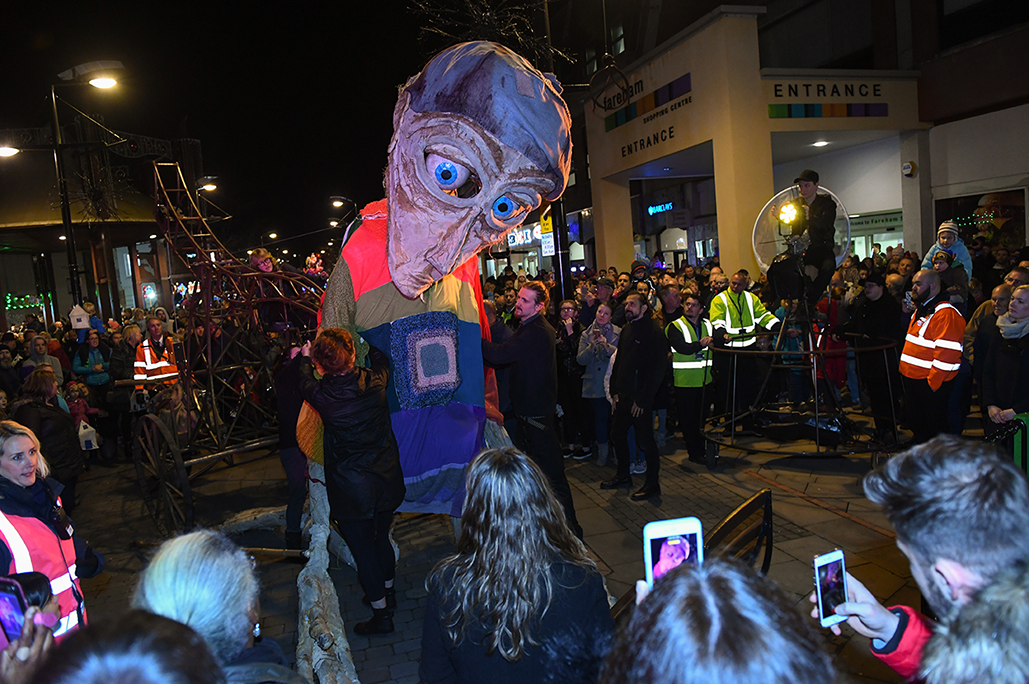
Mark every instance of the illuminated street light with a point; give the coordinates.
(207, 183)
(6, 151)
(338, 201)
(333, 223)
(63, 238)
(273, 235)
(99, 75)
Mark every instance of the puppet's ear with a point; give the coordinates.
(398, 111)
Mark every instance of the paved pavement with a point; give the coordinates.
(818, 506)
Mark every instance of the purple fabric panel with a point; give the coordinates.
(436, 443)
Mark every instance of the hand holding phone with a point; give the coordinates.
(668, 544)
(12, 608)
(830, 586)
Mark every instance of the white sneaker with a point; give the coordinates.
(638, 468)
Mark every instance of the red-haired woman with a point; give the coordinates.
(362, 462)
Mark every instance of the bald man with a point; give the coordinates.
(931, 357)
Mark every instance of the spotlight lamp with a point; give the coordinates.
(788, 213)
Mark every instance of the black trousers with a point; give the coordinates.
(692, 405)
(369, 544)
(537, 437)
(644, 424)
(926, 410)
(882, 381)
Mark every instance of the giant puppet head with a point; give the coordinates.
(480, 138)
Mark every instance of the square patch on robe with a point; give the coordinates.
(425, 354)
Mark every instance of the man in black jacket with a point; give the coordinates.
(531, 355)
(876, 318)
(639, 369)
(816, 215)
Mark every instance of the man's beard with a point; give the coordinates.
(6, 364)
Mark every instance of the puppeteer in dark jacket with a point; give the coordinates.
(362, 460)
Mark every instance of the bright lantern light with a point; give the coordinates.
(153, 237)
(273, 235)
(6, 151)
(285, 251)
(337, 203)
(788, 214)
(209, 187)
(333, 223)
(103, 83)
(820, 143)
(62, 238)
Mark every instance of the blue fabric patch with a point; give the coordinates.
(425, 359)
(435, 360)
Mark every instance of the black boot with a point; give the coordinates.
(381, 623)
(294, 540)
(391, 598)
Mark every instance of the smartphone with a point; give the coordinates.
(668, 544)
(12, 608)
(830, 586)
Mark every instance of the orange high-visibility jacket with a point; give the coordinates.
(932, 348)
(152, 366)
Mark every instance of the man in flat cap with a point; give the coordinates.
(816, 216)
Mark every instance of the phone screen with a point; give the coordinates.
(831, 587)
(671, 552)
(12, 616)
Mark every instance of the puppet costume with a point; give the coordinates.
(480, 139)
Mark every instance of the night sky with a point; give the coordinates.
(291, 105)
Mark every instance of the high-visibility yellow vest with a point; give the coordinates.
(691, 370)
(739, 317)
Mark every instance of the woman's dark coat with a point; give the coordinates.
(362, 460)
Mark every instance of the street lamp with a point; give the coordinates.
(99, 75)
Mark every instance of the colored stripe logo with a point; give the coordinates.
(649, 102)
(823, 111)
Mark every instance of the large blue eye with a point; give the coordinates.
(449, 174)
(504, 208)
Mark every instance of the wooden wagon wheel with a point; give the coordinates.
(162, 476)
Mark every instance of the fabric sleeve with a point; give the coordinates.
(678, 341)
(961, 254)
(652, 374)
(762, 316)
(717, 314)
(513, 349)
(308, 383)
(972, 327)
(903, 653)
(140, 365)
(434, 666)
(79, 366)
(583, 354)
(927, 262)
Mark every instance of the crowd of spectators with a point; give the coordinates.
(628, 356)
(60, 382)
(881, 300)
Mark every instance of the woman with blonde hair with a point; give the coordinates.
(1006, 377)
(36, 534)
(37, 408)
(520, 598)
